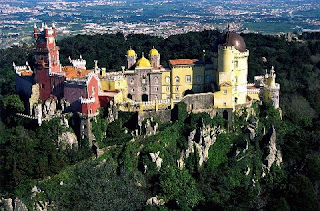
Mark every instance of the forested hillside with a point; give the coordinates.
(119, 180)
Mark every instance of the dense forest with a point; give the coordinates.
(72, 179)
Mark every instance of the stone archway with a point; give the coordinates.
(187, 92)
(225, 115)
(144, 98)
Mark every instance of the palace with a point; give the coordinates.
(143, 84)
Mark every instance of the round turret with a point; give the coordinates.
(230, 39)
(153, 52)
(131, 52)
(143, 62)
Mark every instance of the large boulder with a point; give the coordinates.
(154, 201)
(67, 139)
(12, 205)
(156, 159)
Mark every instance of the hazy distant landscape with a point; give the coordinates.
(156, 17)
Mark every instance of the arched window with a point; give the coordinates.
(156, 80)
(208, 78)
(131, 80)
(177, 79)
(167, 79)
(199, 78)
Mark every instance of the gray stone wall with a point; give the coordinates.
(162, 115)
(199, 101)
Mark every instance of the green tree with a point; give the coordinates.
(178, 185)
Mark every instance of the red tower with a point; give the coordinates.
(48, 67)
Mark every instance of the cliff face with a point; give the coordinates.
(200, 139)
(274, 155)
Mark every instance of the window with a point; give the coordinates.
(168, 88)
(208, 79)
(224, 104)
(144, 80)
(93, 90)
(177, 96)
(235, 64)
(118, 83)
(224, 91)
(167, 79)
(188, 78)
(156, 89)
(199, 78)
(156, 97)
(236, 78)
(90, 111)
(156, 80)
(199, 88)
(236, 100)
(168, 97)
(131, 80)
(132, 90)
(177, 88)
(177, 79)
(42, 86)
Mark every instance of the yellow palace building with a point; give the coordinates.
(145, 81)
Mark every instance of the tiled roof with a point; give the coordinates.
(182, 61)
(74, 72)
(27, 73)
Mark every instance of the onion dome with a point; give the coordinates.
(131, 52)
(153, 52)
(143, 62)
(230, 39)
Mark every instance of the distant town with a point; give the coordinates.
(154, 17)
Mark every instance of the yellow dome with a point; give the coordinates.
(143, 62)
(131, 52)
(154, 52)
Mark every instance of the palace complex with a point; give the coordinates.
(143, 84)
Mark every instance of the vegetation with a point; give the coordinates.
(124, 177)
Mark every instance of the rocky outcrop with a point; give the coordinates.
(112, 112)
(201, 139)
(149, 128)
(49, 107)
(154, 201)
(12, 205)
(273, 154)
(67, 140)
(156, 159)
(252, 127)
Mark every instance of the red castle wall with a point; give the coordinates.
(92, 92)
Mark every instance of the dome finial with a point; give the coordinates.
(230, 27)
(142, 54)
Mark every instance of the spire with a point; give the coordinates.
(34, 25)
(53, 25)
(272, 70)
(13, 64)
(142, 54)
(230, 27)
(80, 56)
